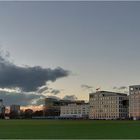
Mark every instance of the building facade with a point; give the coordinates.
(75, 111)
(108, 105)
(134, 102)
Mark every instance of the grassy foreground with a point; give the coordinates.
(69, 129)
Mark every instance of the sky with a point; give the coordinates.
(88, 44)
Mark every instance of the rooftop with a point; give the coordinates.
(109, 93)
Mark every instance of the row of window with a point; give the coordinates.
(75, 113)
(107, 98)
(107, 117)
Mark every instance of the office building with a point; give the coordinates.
(134, 102)
(108, 105)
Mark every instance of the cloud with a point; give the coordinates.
(42, 89)
(55, 91)
(46, 89)
(27, 78)
(29, 98)
(87, 87)
(120, 88)
(23, 99)
(25, 85)
(70, 97)
(41, 101)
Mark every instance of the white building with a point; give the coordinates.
(75, 111)
(134, 102)
(108, 105)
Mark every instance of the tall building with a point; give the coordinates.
(2, 109)
(134, 102)
(108, 105)
(75, 110)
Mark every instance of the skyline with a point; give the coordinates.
(97, 42)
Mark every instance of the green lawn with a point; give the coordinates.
(69, 129)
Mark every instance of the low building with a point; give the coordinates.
(134, 102)
(108, 105)
(52, 106)
(75, 111)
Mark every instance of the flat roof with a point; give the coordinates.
(111, 92)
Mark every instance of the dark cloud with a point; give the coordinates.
(120, 88)
(42, 89)
(87, 87)
(54, 97)
(41, 101)
(70, 97)
(55, 91)
(47, 89)
(23, 99)
(27, 78)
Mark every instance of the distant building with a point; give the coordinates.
(2, 109)
(75, 110)
(108, 105)
(134, 102)
(52, 106)
(14, 111)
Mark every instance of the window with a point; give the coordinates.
(131, 89)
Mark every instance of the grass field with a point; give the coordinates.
(69, 129)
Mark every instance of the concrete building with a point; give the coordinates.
(75, 110)
(134, 102)
(108, 105)
(2, 109)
